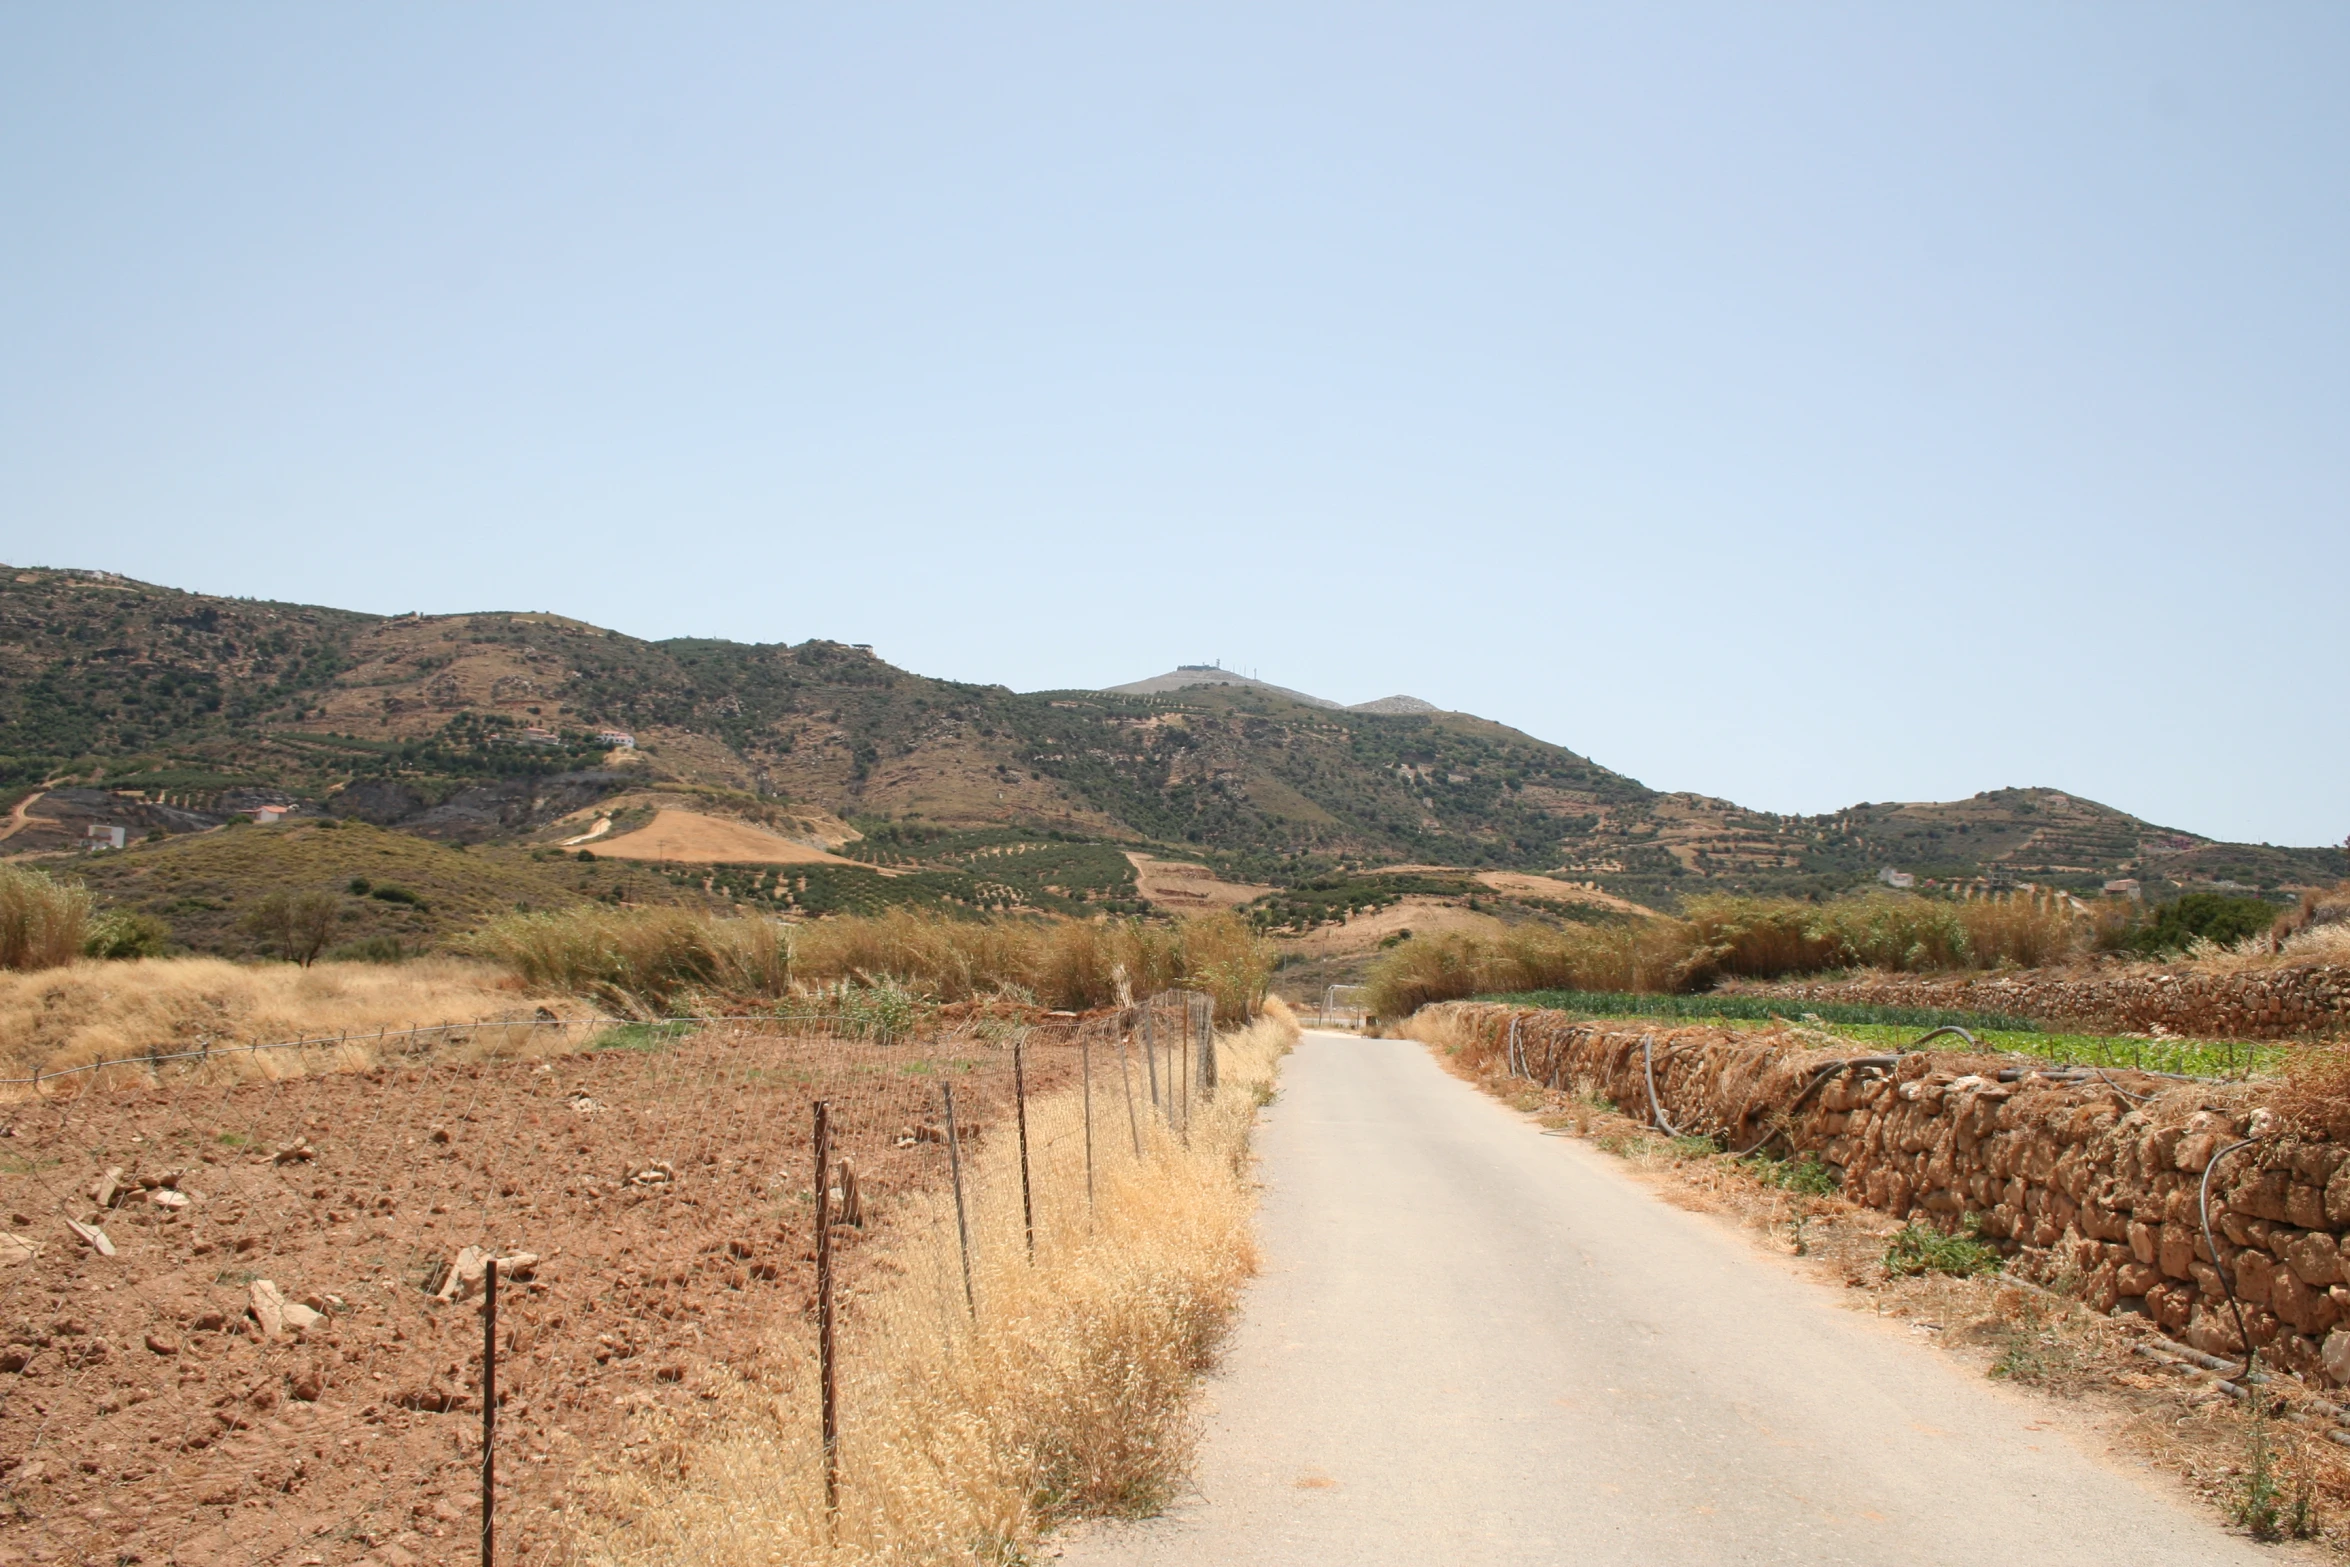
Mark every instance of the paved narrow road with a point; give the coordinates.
(1475, 1344)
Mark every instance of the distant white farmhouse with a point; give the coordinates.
(617, 739)
(1893, 878)
(103, 835)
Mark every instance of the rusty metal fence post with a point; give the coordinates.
(962, 1219)
(1020, 1103)
(1207, 1051)
(1150, 1055)
(489, 1412)
(1126, 1076)
(826, 1372)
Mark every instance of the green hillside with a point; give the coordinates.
(167, 712)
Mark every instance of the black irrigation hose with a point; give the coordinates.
(1648, 1065)
(2226, 1274)
(2117, 1088)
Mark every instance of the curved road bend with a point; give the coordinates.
(1475, 1344)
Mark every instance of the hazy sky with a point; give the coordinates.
(1801, 404)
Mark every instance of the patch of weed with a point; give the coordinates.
(1919, 1248)
(639, 1036)
(1804, 1175)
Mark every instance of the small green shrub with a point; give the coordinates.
(1919, 1248)
(385, 892)
(121, 934)
(884, 1012)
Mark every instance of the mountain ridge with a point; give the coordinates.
(474, 726)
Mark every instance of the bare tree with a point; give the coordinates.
(296, 924)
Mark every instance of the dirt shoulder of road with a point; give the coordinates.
(2089, 1373)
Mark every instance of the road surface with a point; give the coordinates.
(1475, 1344)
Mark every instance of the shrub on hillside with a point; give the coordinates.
(2199, 916)
(118, 935)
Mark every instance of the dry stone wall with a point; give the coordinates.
(2280, 1003)
(2088, 1180)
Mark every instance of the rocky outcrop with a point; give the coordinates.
(2091, 1181)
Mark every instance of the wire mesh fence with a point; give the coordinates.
(241, 1291)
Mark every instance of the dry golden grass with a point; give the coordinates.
(644, 959)
(2317, 944)
(966, 1436)
(91, 1011)
(42, 919)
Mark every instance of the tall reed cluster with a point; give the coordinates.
(649, 958)
(43, 921)
(639, 959)
(966, 1432)
(1725, 937)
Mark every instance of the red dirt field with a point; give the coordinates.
(146, 1416)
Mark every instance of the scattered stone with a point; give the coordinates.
(209, 1322)
(16, 1248)
(851, 1207)
(91, 1236)
(308, 1385)
(658, 1173)
(268, 1304)
(583, 1104)
(463, 1276)
(162, 1345)
(298, 1151)
(165, 1198)
(107, 1189)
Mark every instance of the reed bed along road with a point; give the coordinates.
(977, 1412)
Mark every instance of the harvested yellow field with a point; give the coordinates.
(1173, 884)
(1416, 914)
(1523, 885)
(691, 838)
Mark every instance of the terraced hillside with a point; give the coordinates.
(166, 712)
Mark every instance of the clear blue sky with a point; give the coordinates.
(1802, 404)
